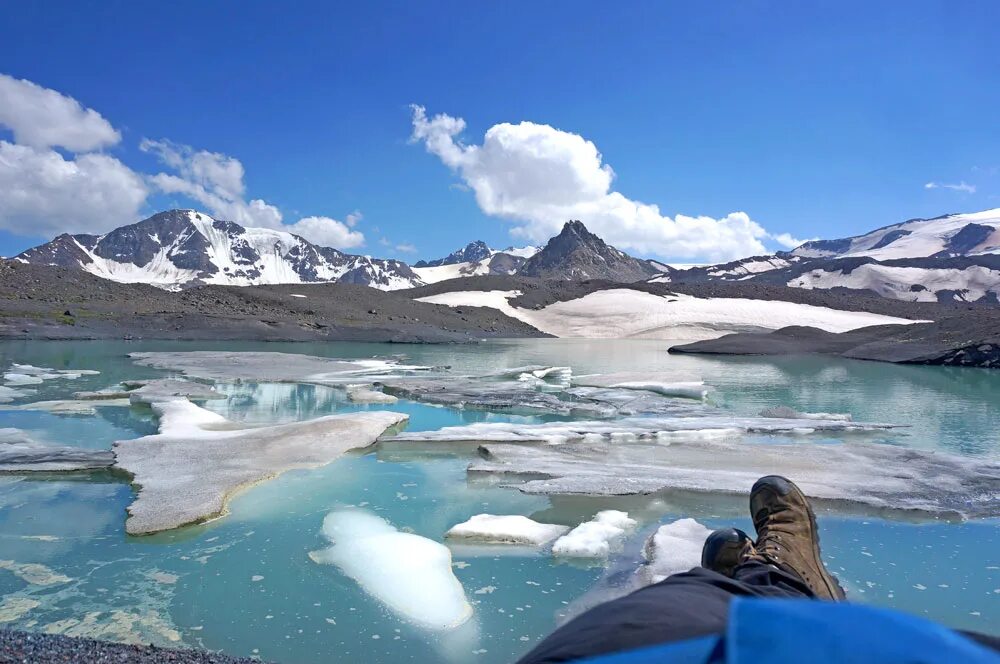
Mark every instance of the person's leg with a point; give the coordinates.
(696, 603)
(683, 606)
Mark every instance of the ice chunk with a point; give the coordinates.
(272, 367)
(674, 547)
(8, 394)
(666, 384)
(71, 406)
(366, 394)
(408, 573)
(595, 538)
(883, 476)
(20, 453)
(166, 389)
(707, 424)
(506, 529)
(790, 413)
(187, 472)
(14, 378)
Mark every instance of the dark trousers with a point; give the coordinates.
(683, 606)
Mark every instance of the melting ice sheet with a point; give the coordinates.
(408, 573)
(187, 472)
(878, 475)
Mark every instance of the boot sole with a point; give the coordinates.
(831, 582)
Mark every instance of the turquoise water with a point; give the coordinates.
(244, 584)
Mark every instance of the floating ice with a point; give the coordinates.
(8, 394)
(71, 406)
(659, 382)
(790, 413)
(365, 394)
(34, 573)
(20, 453)
(879, 475)
(506, 529)
(595, 538)
(272, 367)
(408, 573)
(666, 429)
(674, 547)
(187, 472)
(26, 374)
(166, 389)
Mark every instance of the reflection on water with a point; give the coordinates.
(244, 584)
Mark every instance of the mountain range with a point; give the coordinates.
(954, 257)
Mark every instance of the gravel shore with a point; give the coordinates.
(25, 648)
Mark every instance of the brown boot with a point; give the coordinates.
(725, 549)
(787, 536)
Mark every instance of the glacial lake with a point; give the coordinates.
(244, 584)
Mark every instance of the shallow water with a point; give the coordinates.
(245, 584)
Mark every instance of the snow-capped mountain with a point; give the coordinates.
(955, 257)
(971, 234)
(577, 254)
(474, 259)
(181, 248)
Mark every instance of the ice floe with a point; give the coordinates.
(658, 382)
(367, 394)
(674, 547)
(70, 406)
(166, 389)
(505, 529)
(707, 424)
(272, 367)
(20, 453)
(27, 374)
(35, 574)
(595, 538)
(410, 574)
(874, 474)
(790, 413)
(187, 472)
(8, 394)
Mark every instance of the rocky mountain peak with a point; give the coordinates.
(576, 253)
(471, 253)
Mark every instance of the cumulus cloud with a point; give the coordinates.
(45, 194)
(406, 248)
(42, 118)
(539, 177)
(216, 181)
(961, 186)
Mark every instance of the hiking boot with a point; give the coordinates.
(787, 536)
(725, 549)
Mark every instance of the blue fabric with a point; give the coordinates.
(784, 631)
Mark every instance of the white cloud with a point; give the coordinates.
(540, 177)
(216, 181)
(327, 232)
(406, 248)
(961, 186)
(44, 193)
(42, 118)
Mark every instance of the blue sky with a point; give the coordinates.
(815, 119)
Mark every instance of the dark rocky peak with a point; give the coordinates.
(576, 253)
(966, 239)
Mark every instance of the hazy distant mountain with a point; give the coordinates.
(470, 253)
(181, 248)
(475, 259)
(950, 258)
(972, 234)
(578, 254)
